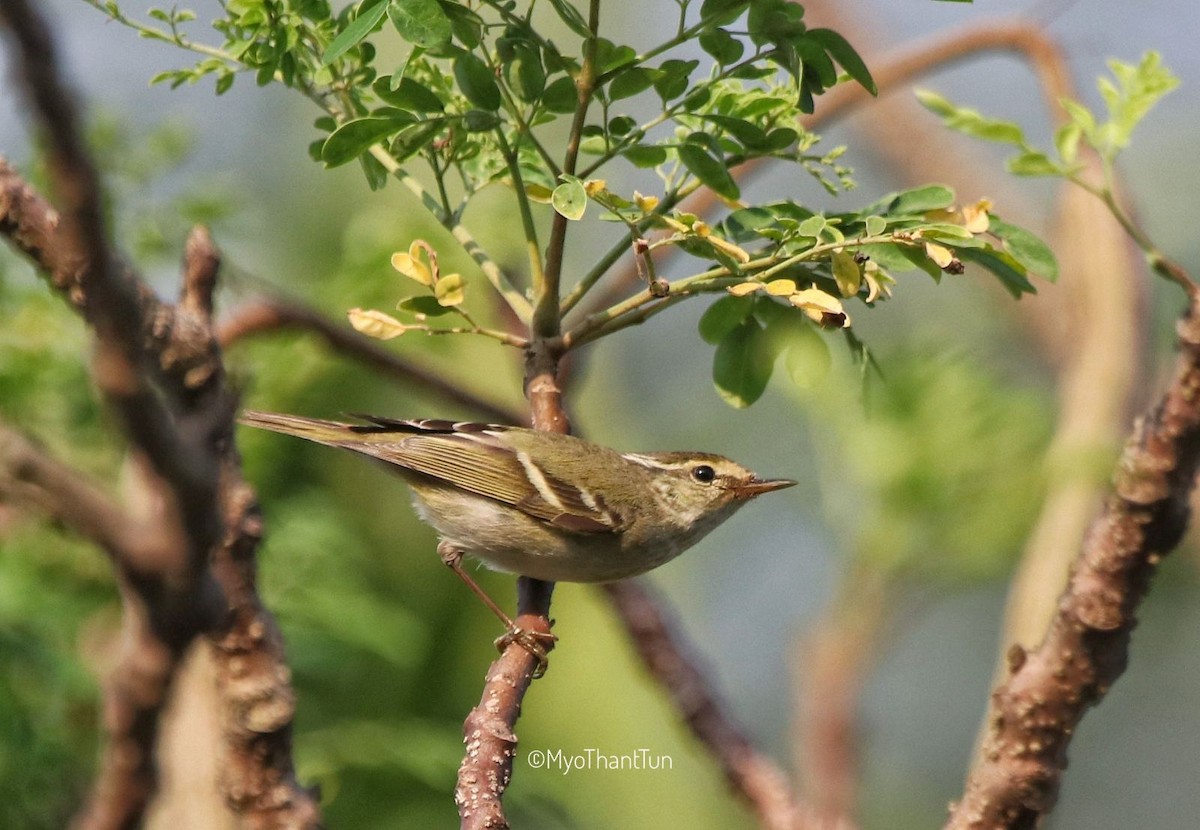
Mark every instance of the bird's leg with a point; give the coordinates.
(531, 641)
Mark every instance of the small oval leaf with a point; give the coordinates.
(742, 364)
(570, 199)
(420, 22)
(353, 34)
(347, 141)
(476, 81)
(709, 170)
(375, 324)
(724, 316)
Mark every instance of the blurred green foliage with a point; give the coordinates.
(933, 475)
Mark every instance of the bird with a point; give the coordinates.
(540, 504)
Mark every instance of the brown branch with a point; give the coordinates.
(836, 657)
(171, 596)
(31, 477)
(135, 692)
(1034, 712)
(271, 314)
(753, 776)
(491, 743)
(160, 367)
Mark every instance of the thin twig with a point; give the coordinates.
(1035, 711)
(547, 318)
(271, 314)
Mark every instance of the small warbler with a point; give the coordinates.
(540, 504)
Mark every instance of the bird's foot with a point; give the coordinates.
(537, 643)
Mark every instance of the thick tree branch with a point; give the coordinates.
(1034, 712)
(271, 314)
(159, 366)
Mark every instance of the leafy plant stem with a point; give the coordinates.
(491, 270)
(1159, 262)
(618, 250)
(643, 305)
(546, 319)
(682, 36)
(439, 175)
(502, 336)
(536, 271)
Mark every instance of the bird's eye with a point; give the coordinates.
(704, 473)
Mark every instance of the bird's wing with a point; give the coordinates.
(474, 458)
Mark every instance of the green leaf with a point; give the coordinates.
(377, 175)
(571, 16)
(561, 96)
(775, 21)
(526, 70)
(425, 304)
(1082, 116)
(846, 273)
(812, 226)
(816, 62)
(1033, 163)
(891, 256)
(368, 18)
(478, 121)
(920, 200)
(722, 12)
(708, 169)
(621, 125)
(645, 155)
(745, 224)
(779, 139)
(971, 122)
(806, 355)
(570, 199)
(1025, 247)
(416, 138)
(723, 316)
(477, 82)
(748, 134)
(466, 24)
(1010, 272)
(1066, 140)
(407, 95)
(724, 48)
(630, 82)
(875, 225)
(420, 22)
(347, 141)
(841, 51)
(742, 364)
(672, 80)
(1136, 91)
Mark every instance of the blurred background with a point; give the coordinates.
(872, 595)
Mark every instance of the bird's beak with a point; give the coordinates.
(757, 486)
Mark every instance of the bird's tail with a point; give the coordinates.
(331, 433)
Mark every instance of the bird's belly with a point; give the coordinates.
(507, 539)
